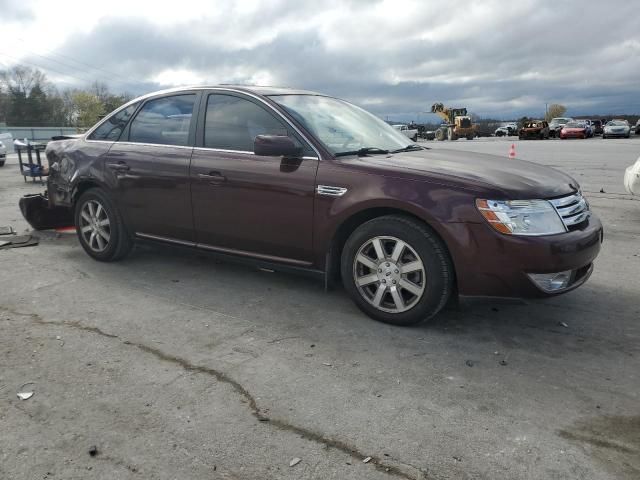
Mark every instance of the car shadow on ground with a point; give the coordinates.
(554, 327)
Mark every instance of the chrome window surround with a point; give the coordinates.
(573, 209)
(185, 89)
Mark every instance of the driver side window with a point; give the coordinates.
(233, 123)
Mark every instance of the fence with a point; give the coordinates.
(35, 134)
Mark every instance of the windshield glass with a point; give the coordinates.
(616, 123)
(559, 121)
(342, 127)
(574, 125)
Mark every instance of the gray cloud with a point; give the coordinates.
(498, 60)
(13, 12)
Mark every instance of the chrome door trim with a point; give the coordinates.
(258, 256)
(165, 239)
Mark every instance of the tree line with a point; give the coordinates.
(27, 98)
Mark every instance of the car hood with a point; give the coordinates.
(500, 176)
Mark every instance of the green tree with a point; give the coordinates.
(87, 108)
(555, 110)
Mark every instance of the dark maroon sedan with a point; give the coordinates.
(309, 182)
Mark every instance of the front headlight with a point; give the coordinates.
(521, 217)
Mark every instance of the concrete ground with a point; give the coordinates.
(177, 366)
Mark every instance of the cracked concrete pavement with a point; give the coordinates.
(176, 365)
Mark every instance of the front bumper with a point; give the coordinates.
(616, 134)
(530, 134)
(492, 264)
(573, 134)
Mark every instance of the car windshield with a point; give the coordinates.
(342, 127)
(559, 121)
(574, 125)
(616, 124)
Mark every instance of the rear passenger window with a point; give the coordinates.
(111, 129)
(164, 121)
(232, 123)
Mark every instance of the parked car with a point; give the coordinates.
(429, 135)
(507, 129)
(588, 126)
(556, 124)
(411, 133)
(296, 180)
(638, 127)
(534, 129)
(3, 154)
(574, 129)
(617, 128)
(597, 127)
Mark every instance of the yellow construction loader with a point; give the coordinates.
(456, 123)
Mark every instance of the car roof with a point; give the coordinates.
(255, 89)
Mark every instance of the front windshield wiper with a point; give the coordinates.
(362, 151)
(408, 148)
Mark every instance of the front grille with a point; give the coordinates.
(573, 209)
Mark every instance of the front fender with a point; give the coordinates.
(437, 205)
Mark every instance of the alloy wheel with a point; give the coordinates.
(95, 226)
(389, 274)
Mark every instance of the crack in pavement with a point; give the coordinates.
(222, 377)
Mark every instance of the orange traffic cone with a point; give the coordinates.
(512, 151)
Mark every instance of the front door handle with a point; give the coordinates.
(120, 166)
(212, 177)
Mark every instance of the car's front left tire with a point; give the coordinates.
(397, 270)
(100, 228)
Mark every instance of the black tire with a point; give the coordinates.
(415, 138)
(119, 243)
(436, 279)
(2, 163)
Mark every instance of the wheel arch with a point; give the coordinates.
(351, 223)
(82, 186)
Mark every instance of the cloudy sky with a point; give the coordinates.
(499, 59)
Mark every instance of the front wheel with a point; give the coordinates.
(2, 163)
(100, 227)
(397, 270)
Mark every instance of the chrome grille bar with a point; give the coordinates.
(573, 209)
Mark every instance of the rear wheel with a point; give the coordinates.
(397, 270)
(440, 136)
(100, 227)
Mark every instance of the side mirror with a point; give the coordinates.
(276, 146)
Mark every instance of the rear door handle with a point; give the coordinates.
(212, 177)
(120, 166)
